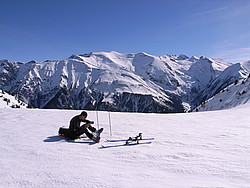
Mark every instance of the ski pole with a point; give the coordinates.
(110, 127)
(97, 119)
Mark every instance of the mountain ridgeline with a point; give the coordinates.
(120, 82)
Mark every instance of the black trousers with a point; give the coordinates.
(84, 130)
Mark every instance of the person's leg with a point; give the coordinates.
(84, 130)
(92, 129)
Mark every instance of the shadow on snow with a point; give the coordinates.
(57, 138)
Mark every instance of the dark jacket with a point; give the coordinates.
(75, 123)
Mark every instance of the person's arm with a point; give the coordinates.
(88, 125)
(87, 121)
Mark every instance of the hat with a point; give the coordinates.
(84, 114)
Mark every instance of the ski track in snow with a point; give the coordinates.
(205, 149)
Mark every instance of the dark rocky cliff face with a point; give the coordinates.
(8, 71)
(124, 102)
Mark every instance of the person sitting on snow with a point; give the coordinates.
(75, 129)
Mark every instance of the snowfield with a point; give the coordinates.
(204, 149)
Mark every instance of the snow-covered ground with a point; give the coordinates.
(204, 149)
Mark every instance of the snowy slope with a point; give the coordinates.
(231, 96)
(207, 149)
(9, 101)
(226, 78)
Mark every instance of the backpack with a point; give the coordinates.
(67, 133)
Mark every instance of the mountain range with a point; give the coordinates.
(113, 81)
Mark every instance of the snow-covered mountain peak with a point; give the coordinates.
(219, 64)
(193, 59)
(246, 65)
(32, 62)
(182, 57)
(202, 71)
(144, 54)
(75, 57)
(203, 57)
(3, 61)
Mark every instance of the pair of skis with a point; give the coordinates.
(131, 141)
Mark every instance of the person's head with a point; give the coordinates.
(83, 115)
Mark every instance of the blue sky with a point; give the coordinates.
(54, 29)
